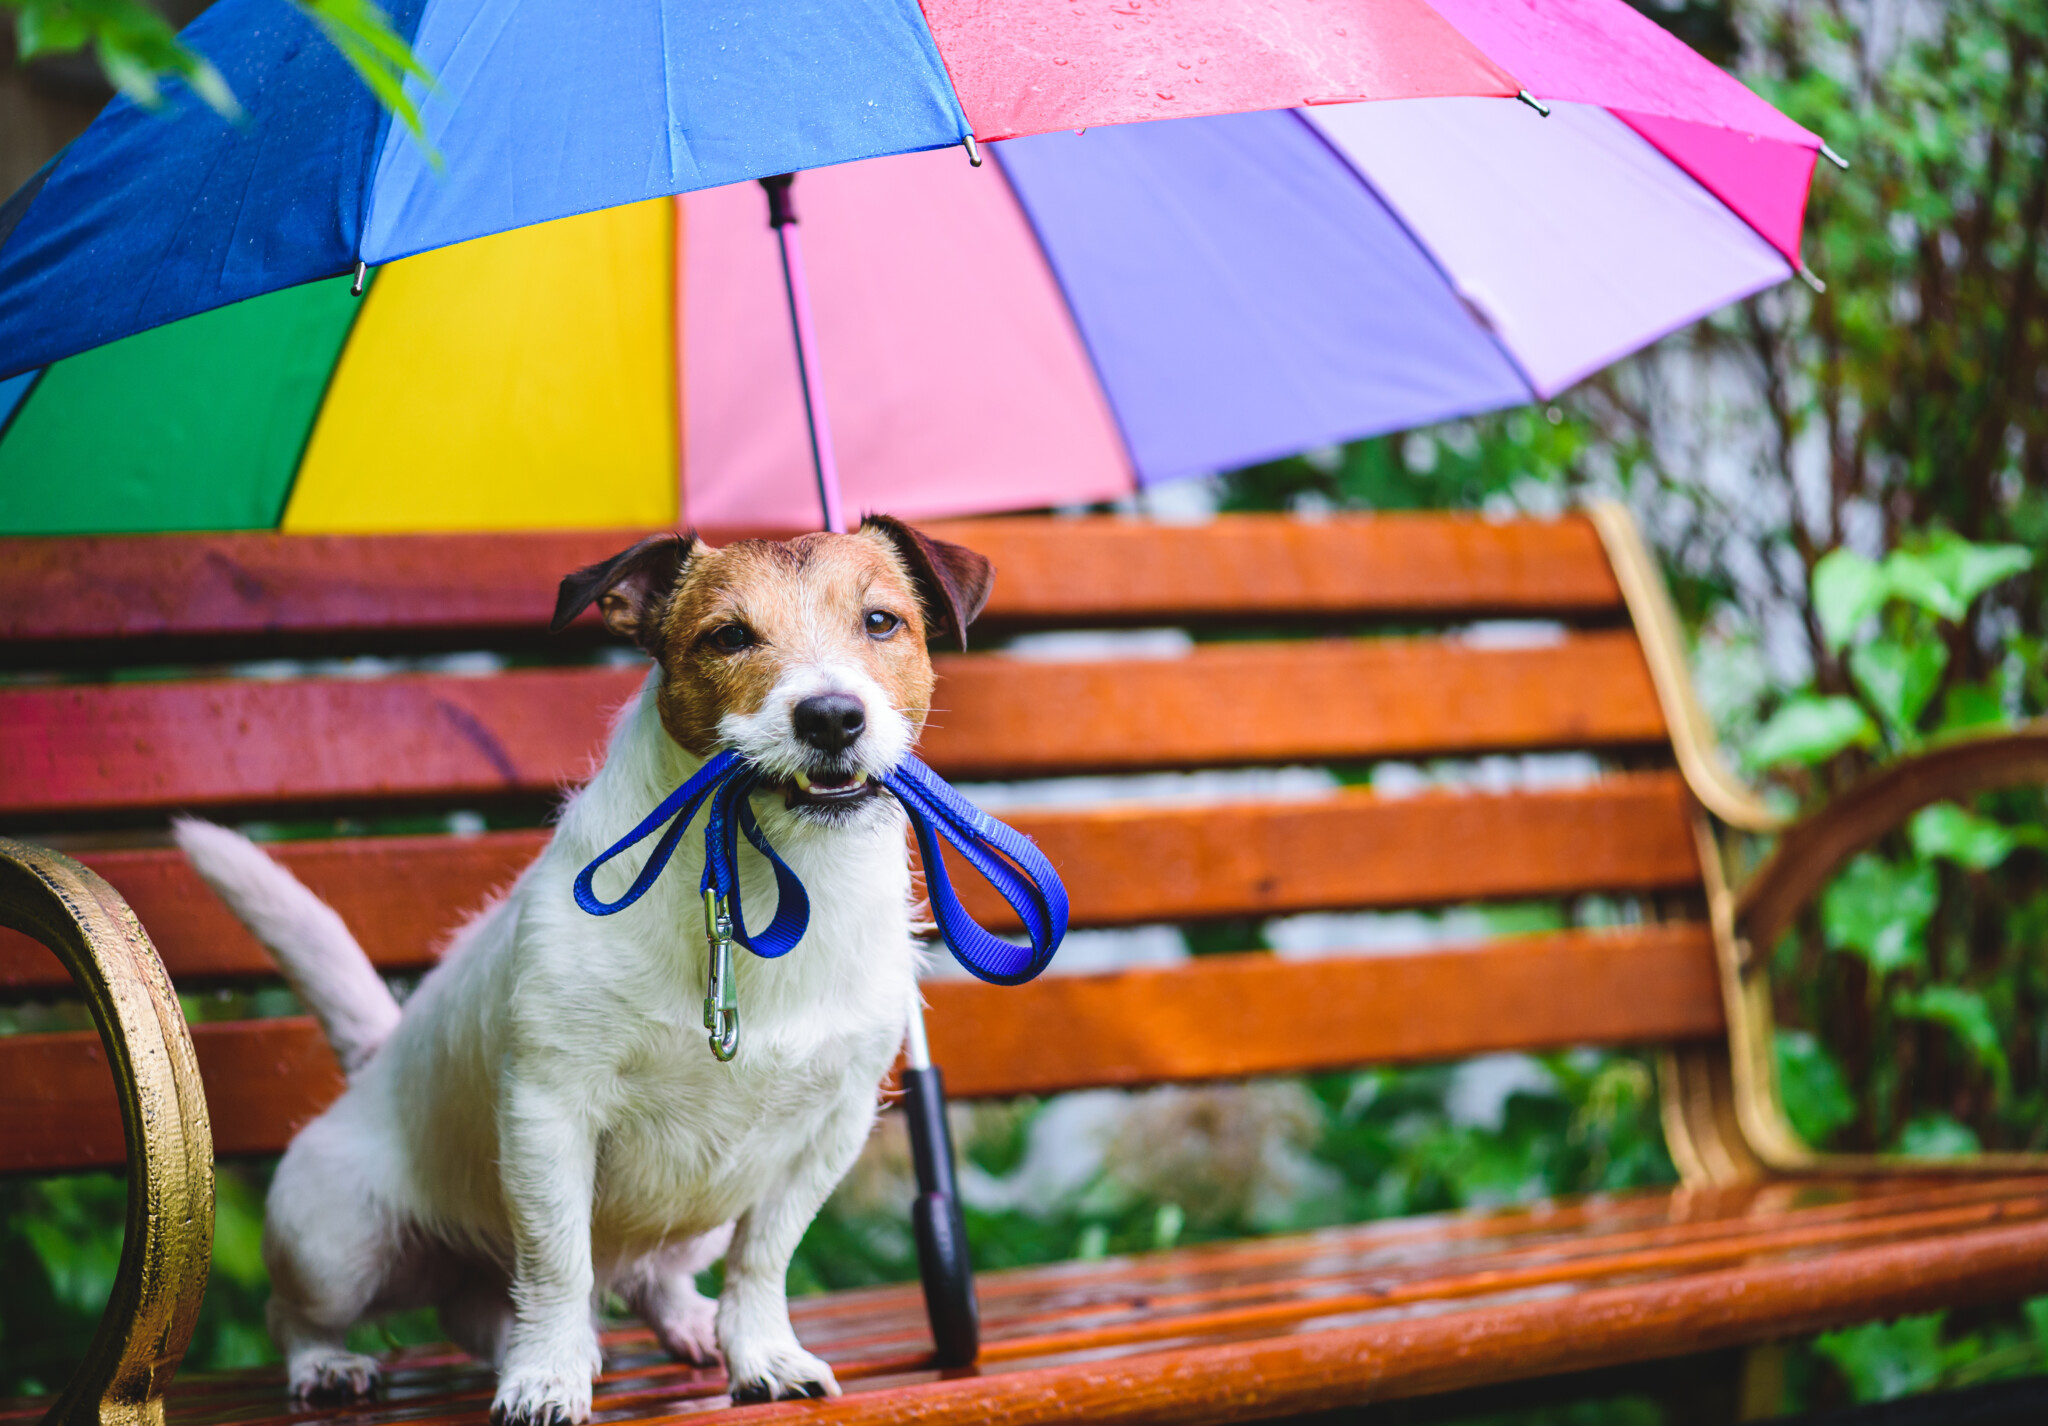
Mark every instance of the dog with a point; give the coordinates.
(542, 1122)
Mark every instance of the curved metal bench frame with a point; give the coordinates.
(168, 1244)
(1724, 1111)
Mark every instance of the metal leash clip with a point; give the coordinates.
(721, 995)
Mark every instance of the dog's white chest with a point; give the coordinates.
(691, 1141)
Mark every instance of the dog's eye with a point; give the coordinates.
(731, 637)
(881, 623)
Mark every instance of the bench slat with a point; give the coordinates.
(1137, 864)
(1290, 702)
(256, 743)
(1165, 1025)
(1121, 864)
(58, 591)
(75, 748)
(265, 1078)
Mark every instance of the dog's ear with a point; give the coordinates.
(952, 581)
(629, 588)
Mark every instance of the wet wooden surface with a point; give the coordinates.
(1272, 1326)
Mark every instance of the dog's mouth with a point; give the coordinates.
(828, 789)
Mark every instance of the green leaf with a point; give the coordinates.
(1899, 678)
(1936, 1136)
(1816, 1093)
(382, 59)
(1971, 705)
(42, 29)
(1947, 831)
(132, 76)
(1963, 1013)
(1970, 569)
(1947, 576)
(1847, 589)
(136, 48)
(1810, 730)
(2036, 1310)
(212, 89)
(1880, 911)
(1886, 1360)
(1916, 579)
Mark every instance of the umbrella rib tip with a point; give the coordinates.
(1534, 103)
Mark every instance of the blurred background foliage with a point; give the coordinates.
(137, 48)
(1850, 489)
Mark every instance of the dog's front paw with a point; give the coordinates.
(541, 1397)
(772, 1373)
(329, 1374)
(688, 1330)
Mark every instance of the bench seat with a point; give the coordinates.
(1276, 1326)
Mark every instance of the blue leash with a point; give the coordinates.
(1010, 861)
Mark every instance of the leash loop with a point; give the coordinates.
(681, 805)
(1010, 861)
(1006, 858)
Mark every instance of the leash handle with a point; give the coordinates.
(1010, 861)
(677, 809)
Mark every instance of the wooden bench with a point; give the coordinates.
(1763, 1240)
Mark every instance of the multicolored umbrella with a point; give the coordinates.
(1131, 304)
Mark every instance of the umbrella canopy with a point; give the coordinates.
(549, 108)
(1085, 314)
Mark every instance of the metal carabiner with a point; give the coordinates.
(721, 994)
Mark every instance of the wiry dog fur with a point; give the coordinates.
(543, 1122)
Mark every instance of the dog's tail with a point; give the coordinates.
(320, 959)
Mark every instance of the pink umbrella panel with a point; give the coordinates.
(1148, 302)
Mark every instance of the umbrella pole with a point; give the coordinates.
(782, 218)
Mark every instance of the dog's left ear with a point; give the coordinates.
(629, 588)
(952, 581)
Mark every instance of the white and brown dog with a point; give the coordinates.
(542, 1122)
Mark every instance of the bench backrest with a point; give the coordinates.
(1344, 641)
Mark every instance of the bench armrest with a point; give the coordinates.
(1724, 1117)
(168, 1243)
(1806, 859)
(1694, 744)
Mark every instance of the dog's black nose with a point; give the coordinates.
(831, 721)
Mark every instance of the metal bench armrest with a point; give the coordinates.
(169, 1237)
(1807, 857)
(1724, 1116)
(1693, 742)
